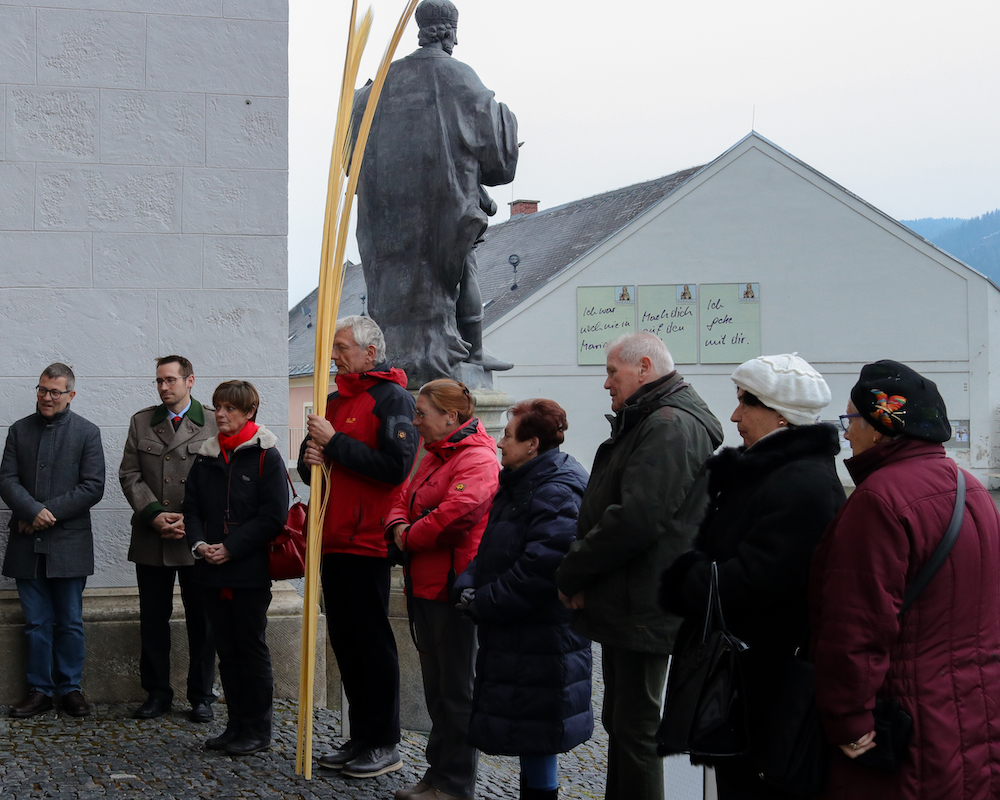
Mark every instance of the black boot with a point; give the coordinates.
(527, 793)
(472, 332)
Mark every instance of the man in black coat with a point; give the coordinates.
(51, 475)
(640, 511)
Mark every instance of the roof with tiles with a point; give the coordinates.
(545, 244)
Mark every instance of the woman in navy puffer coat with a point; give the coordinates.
(532, 693)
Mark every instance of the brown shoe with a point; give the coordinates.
(409, 791)
(35, 703)
(436, 794)
(74, 704)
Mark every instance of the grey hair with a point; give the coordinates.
(59, 370)
(633, 347)
(366, 332)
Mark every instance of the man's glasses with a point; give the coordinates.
(166, 381)
(55, 394)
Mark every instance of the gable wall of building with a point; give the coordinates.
(839, 283)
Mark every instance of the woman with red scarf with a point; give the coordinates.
(235, 503)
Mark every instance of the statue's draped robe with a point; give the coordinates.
(437, 135)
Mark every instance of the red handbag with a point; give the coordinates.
(286, 557)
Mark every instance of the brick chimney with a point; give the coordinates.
(523, 207)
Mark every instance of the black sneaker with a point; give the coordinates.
(348, 751)
(372, 762)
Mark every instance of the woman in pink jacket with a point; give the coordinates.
(941, 659)
(437, 525)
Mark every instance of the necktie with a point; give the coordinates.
(176, 421)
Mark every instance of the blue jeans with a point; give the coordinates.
(540, 772)
(53, 613)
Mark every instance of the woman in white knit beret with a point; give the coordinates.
(769, 503)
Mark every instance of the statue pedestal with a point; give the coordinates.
(491, 408)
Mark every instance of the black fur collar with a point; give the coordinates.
(768, 454)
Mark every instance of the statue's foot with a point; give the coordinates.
(488, 362)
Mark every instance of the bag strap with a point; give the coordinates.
(260, 474)
(943, 549)
(713, 611)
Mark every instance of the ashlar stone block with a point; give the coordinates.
(256, 9)
(17, 196)
(97, 332)
(52, 124)
(112, 534)
(28, 258)
(233, 334)
(17, 399)
(112, 404)
(247, 262)
(17, 44)
(194, 8)
(87, 48)
(218, 56)
(165, 128)
(236, 201)
(148, 260)
(113, 442)
(108, 198)
(247, 132)
(273, 395)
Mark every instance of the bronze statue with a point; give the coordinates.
(437, 138)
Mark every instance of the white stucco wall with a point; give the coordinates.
(143, 210)
(840, 283)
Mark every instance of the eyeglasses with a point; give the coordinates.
(168, 381)
(845, 420)
(55, 394)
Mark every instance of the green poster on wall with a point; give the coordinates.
(671, 313)
(603, 313)
(730, 322)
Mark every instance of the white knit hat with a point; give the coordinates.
(787, 384)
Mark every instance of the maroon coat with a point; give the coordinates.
(942, 660)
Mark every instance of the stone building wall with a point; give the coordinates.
(143, 211)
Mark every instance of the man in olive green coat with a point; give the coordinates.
(641, 510)
(162, 444)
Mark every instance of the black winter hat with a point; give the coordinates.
(896, 400)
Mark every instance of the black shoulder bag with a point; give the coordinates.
(893, 726)
(705, 714)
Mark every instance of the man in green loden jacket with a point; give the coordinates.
(641, 510)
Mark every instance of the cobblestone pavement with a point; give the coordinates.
(109, 754)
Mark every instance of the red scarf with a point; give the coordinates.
(244, 434)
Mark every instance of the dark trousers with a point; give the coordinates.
(633, 688)
(356, 595)
(156, 604)
(239, 620)
(736, 779)
(447, 643)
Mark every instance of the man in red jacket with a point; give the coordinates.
(368, 441)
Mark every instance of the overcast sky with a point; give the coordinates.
(896, 101)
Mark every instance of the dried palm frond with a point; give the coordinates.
(345, 159)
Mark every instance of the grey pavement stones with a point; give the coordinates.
(111, 755)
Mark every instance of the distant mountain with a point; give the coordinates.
(931, 228)
(975, 241)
